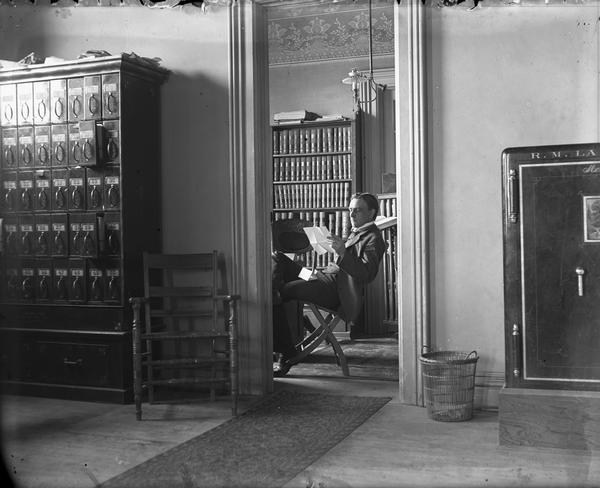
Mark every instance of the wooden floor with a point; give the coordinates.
(55, 443)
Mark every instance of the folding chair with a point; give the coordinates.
(328, 320)
(188, 333)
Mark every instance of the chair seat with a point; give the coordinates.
(185, 381)
(189, 362)
(158, 336)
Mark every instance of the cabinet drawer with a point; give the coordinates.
(66, 362)
(72, 363)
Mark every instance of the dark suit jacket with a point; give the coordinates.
(357, 268)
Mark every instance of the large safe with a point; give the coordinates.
(551, 224)
(80, 182)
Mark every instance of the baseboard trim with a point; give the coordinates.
(488, 385)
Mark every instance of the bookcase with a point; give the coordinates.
(316, 169)
(80, 179)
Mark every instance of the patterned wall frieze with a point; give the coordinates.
(297, 35)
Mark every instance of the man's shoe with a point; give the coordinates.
(281, 367)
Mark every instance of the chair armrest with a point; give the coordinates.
(136, 304)
(138, 300)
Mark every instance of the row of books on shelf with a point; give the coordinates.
(311, 195)
(300, 140)
(312, 168)
(337, 221)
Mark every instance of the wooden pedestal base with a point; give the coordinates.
(549, 418)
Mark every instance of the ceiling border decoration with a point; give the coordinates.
(303, 35)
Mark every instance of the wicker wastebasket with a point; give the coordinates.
(449, 384)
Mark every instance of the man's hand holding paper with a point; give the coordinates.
(338, 244)
(319, 238)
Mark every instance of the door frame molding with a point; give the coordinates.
(412, 184)
(249, 142)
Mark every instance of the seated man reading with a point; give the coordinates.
(338, 287)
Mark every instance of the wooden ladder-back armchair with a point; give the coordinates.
(187, 332)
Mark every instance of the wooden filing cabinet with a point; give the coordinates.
(79, 179)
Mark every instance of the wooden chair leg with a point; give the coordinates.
(232, 302)
(137, 358)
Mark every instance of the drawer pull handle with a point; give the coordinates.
(25, 244)
(111, 103)
(43, 288)
(42, 110)
(59, 198)
(25, 200)
(59, 244)
(42, 243)
(77, 362)
(88, 150)
(76, 152)
(42, 200)
(9, 113)
(112, 149)
(26, 156)
(93, 104)
(113, 196)
(76, 199)
(9, 157)
(94, 197)
(59, 108)
(59, 152)
(43, 154)
(9, 200)
(61, 287)
(76, 107)
(88, 245)
(25, 111)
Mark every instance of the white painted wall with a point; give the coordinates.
(497, 77)
(195, 128)
(316, 87)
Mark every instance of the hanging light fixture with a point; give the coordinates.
(356, 78)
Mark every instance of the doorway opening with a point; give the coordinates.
(308, 58)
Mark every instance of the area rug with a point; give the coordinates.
(266, 446)
(373, 358)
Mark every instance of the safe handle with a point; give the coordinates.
(580, 272)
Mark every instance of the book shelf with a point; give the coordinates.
(316, 169)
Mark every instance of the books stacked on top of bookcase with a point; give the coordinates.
(294, 116)
(316, 169)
